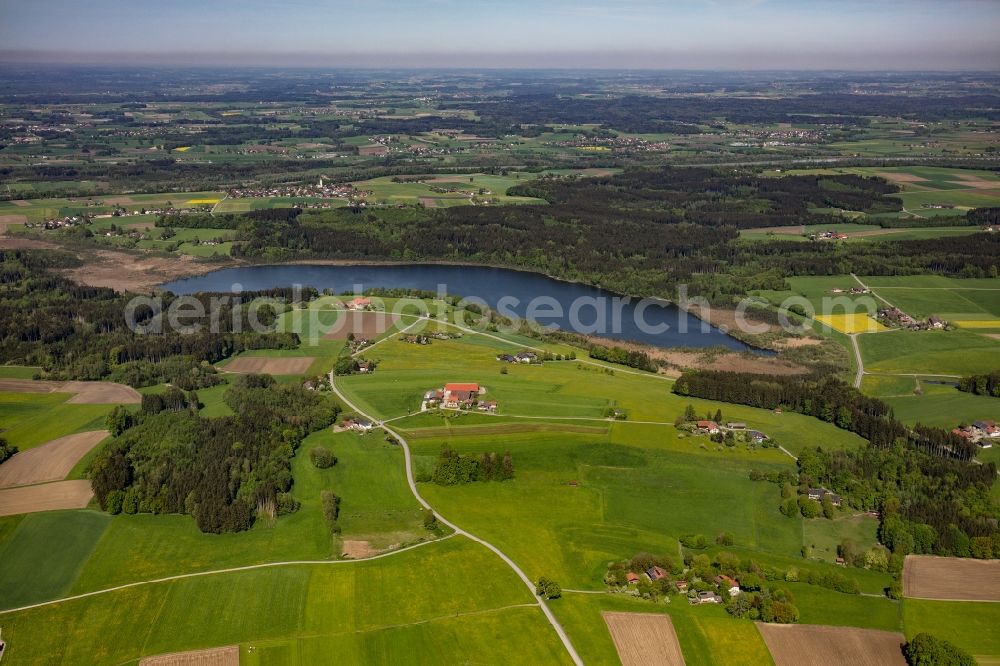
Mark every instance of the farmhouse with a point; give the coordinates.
(656, 573)
(736, 425)
(682, 585)
(358, 424)
(756, 436)
(728, 584)
(817, 494)
(632, 578)
(366, 366)
(489, 406)
(525, 356)
(506, 358)
(455, 396)
(711, 427)
(359, 303)
(706, 597)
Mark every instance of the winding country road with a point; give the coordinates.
(458, 530)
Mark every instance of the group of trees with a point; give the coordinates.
(80, 332)
(455, 468)
(988, 384)
(926, 504)
(167, 459)
(631, 358)
(6, 449)
(828, 399)
(927, 650)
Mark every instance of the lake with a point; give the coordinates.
(568, 305)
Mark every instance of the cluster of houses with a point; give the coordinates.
(829, 235)
(624, 144)
(359, 303)
(520, 357)
(853, 290)
(317, 191)
(980, 432)
(426, 339)
(723, 582)
(896, 317)
(458, 396)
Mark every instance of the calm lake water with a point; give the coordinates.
(570, 306)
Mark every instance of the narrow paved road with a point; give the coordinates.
(857, 357)
(458, 530)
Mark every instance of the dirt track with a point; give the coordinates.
(45, 497)
(264, 365)
(821, 645)
(221, 656)
(87, 393)
(929, 577)
(51, 461)
(644, 639)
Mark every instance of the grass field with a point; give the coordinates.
(30, 419)
(423, 595)
(823, 536)
(955, 352)
(33, 570)
(968, 624)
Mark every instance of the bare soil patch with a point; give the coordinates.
(220, 656)
(644, 639)
(797, 230)
(721, 317)
(900, 177)
(101, 393)
(376, 149)
(951, 578)
(263, 365)
(977, 183)
(45, 497)
(126, 271)
(357, 550)
(7, 221)
(364, 325)
(821, 645)
(429, 202)
(87, 393)
(51, 461)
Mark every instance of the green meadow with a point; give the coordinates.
(970, 625)
(30, 419)
(354, 608)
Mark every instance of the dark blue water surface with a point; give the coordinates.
(568, 305)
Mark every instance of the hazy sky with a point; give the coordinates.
(870, 34)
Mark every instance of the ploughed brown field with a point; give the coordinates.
(821, 645)
(221, 656)
(51, 461)
(364, 325)
(86, 393)
(262, 365)
(644, 639)
(951, 578)
(45, 497)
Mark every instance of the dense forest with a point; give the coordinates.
(78, 332)
(642, 232)
(223, 471)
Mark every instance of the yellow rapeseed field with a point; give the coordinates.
(858, 322)
(978, 323)
(182, 149)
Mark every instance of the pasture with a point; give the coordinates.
(953, 353)
(968, 624)
(447, 190)
(419, 601)
(30, 419)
